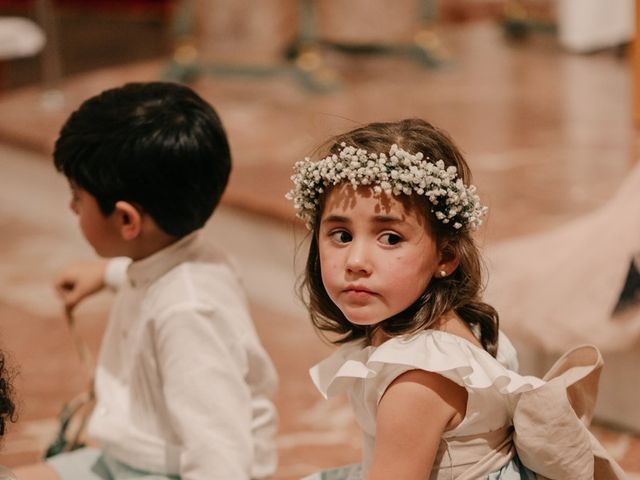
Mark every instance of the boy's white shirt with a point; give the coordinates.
(183, 384)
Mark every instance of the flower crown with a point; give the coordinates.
(399, 172)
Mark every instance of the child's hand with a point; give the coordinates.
(79, 280)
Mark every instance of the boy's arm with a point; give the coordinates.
(82, 279)
(207, 397)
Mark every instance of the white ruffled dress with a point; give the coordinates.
(510, 418)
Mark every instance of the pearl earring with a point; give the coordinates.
(442, 273)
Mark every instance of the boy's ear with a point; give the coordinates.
(129, 220)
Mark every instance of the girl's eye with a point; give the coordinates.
(390, 239)
(341, 236)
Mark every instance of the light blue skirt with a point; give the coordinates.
(513, 470)
(94, 464)
(6, 474)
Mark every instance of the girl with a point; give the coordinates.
(394, 276)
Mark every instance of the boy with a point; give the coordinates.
(183, 385)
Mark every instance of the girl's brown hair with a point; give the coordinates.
(460, 292)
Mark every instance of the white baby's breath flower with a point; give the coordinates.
(398, 172)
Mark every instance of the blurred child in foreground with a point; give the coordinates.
(183, 386)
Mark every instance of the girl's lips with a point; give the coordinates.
(358, 292)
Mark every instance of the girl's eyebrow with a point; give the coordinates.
(377, 219)
(336, 219)
(388, 219)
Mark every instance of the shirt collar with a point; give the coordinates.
(142, 272)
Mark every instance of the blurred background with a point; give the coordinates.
(541, 95)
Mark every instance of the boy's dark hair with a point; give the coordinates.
(459, 292)
(157, 145)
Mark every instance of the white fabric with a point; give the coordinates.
(588, 25)
(542, 421)
(183, 385)
(115, 274)
(6, 474)
(364, 373)
(19, 37)
(560, 287)
(507, 354)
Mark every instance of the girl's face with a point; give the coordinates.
(376, 255)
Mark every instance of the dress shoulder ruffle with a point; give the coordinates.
(435, 351)
(557, 407)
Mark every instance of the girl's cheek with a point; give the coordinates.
(405, 263)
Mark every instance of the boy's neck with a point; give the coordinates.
(146, 246)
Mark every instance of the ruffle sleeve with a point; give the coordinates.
(549, 416)
(440, 352)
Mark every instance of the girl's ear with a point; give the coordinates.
(449, 260)
(129, 220)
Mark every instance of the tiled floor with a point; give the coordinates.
(548, 135)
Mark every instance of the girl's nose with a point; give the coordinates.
(358, 259)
